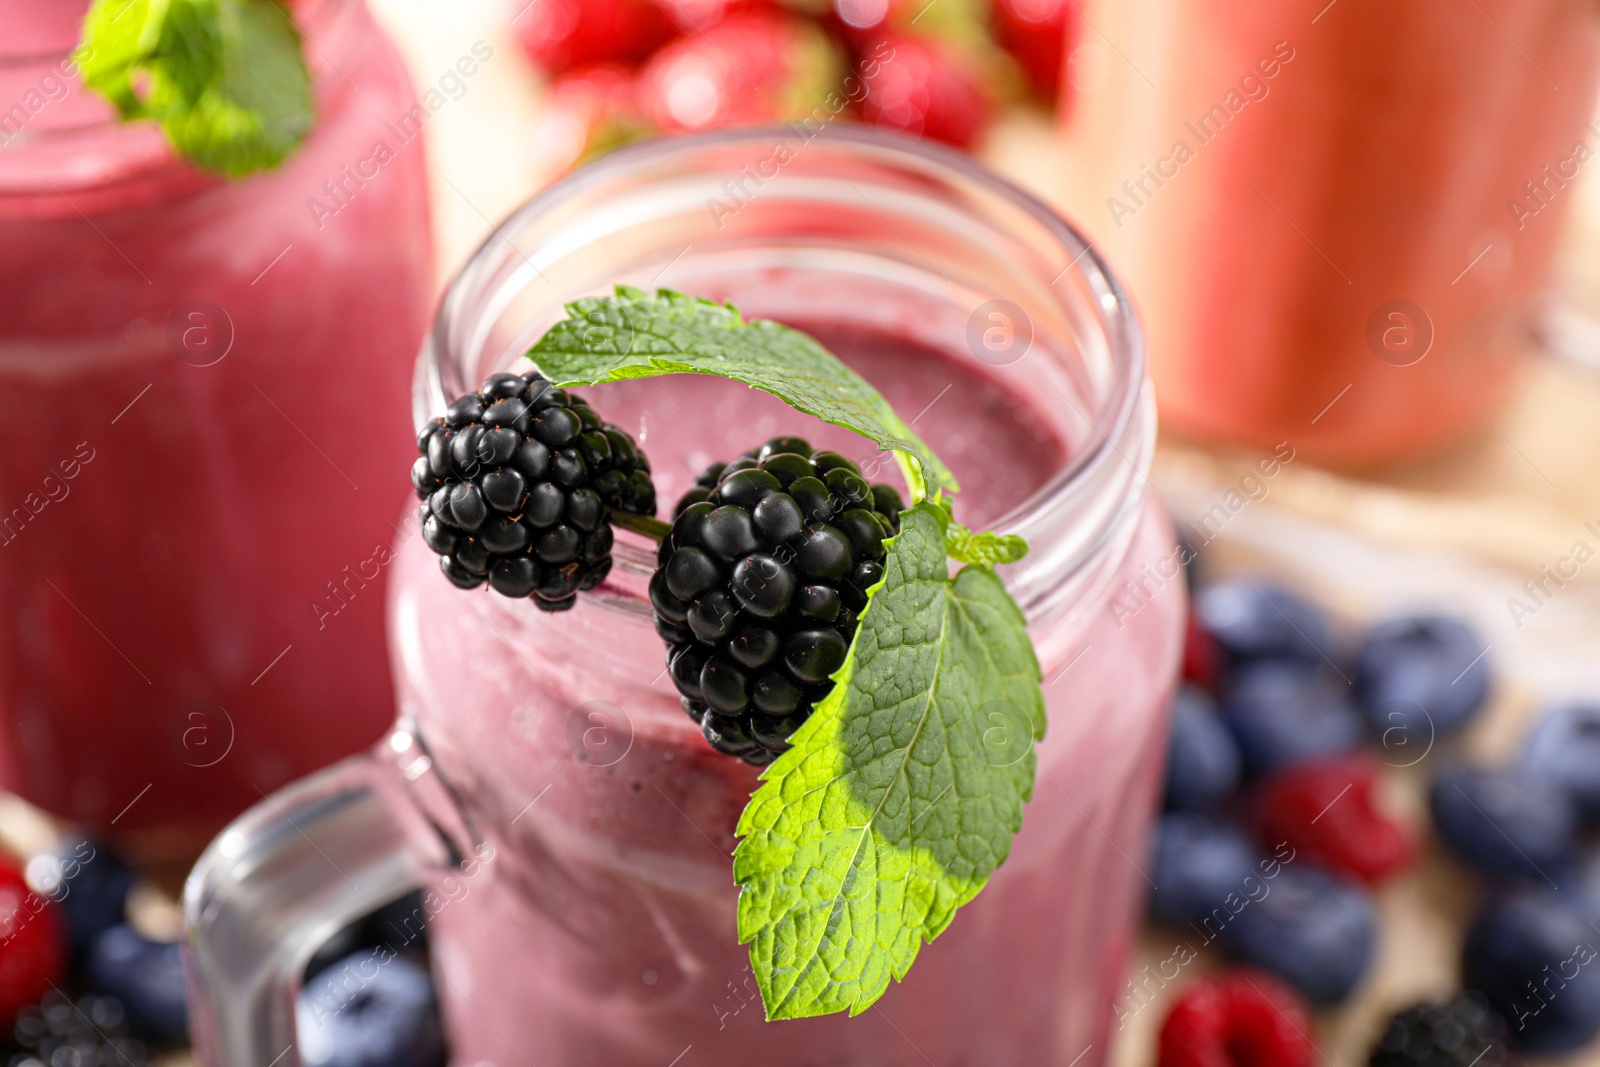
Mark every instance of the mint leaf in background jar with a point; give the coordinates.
(901, 793)
(225, 79)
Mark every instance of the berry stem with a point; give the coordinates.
(645, 525)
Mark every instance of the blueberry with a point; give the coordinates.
(373, 1009)
(147, 976)
(1203, 760)
(1503, 823)
(1196, 864)
(1532, 954)
(1426, 674)
(89, 881)
(1253, 618)
(1282, 711)
(1313, 931)
(1564, 750)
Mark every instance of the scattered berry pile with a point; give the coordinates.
(623, 69)
(78, 985)
(1275, 834)
(759, 585)
(516, 482)
(81, 987)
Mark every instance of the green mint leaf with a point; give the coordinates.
(984, 549)
(902, 791)
(224, 78)
(634, 334)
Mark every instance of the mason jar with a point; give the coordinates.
(202, 396)
(571, 825)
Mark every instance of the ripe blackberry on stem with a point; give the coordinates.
(520, 483)
(760, 586)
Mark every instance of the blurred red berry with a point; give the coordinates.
(755, 66)
(925, 86)
(1038, 34)
(1326, 809)
(587, 112)
(1202, 656)
(1237, 1018)
(558, 35)
(33, 944)
(695, 16)
(964, 22)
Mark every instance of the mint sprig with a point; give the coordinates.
(901, 793)
(635, 334)
(225, 79)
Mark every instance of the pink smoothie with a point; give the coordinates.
(603, 930)
(202, 402)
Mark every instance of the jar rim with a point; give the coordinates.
(1112, 469)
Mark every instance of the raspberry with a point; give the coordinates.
(89, 1032)
(33, 943)
(1237, 1018)
(1039, 34)
(1202, 656)
(928, 88)
(1457, 1033)
(1326, 809)
(757, 65)
(516, 480)
(558, 35)
(759, 587)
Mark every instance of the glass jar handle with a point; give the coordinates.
(290, 873)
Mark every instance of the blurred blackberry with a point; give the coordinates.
(1457, 1033)
(516, 480)
(759, 587)
(58, 1032)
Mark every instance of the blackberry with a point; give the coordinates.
(516, 482)
(759, 587)
(89, 1032)
(1457, 1033)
